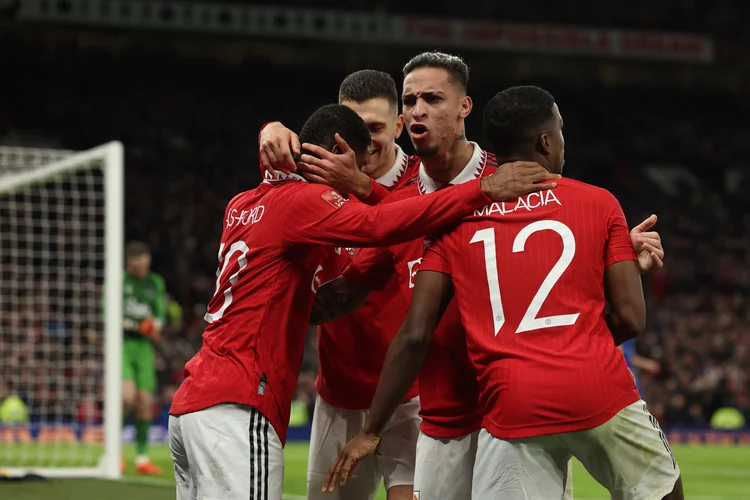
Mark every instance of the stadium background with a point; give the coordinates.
(655, 101)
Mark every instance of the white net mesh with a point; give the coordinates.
(52, 249)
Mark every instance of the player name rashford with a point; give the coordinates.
(245, 217)
(528, 203)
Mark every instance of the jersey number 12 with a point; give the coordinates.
(530, 320)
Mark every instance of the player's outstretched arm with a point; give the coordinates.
(432, 293)
(625, 294)
(324, 217)
(335, 299)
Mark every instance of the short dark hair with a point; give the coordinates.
(514, 117)
(330, 119)
(136, 249)
(454, 65)
(368, 84)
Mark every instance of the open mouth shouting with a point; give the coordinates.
(418, 131)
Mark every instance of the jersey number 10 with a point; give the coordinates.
(530, 320)
(242, 248)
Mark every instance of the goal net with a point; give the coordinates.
(61, 226)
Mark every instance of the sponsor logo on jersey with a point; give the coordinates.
(351, 252)
(334, 198)
(136, 309)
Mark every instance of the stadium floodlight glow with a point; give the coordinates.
(61, 248)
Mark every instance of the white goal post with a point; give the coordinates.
(61, 254)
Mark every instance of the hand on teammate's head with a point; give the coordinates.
(278, 148)
(339, 168)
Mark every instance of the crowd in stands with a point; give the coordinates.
(189, 128)
(716, 17)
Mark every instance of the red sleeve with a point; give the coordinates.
(619, 247)
(434, 258)
(377, 194)
(372, 268)
(319, 215)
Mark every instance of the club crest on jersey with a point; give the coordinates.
(334, 198)
(316, 280)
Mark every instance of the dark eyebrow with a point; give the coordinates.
(431, 93)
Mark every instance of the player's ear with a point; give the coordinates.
(399, 127)
(466, 106)
(544, 143)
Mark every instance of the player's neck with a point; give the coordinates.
(445, 168)
(379, 171)
(537, 158)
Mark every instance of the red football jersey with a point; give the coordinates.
(351, 350)
(257, 320)
(529, 282)
(447, 383)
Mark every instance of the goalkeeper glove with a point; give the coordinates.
(149, 327)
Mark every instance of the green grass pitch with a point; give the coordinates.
(709, 473)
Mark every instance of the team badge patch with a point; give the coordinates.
(334, 198)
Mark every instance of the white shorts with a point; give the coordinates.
(444, 467)
(629, 455)
(393, 463)
(226, 452)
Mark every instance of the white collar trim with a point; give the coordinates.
(281, 176)
(394, 174)
(472, 170)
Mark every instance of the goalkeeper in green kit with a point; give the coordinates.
(144, 314)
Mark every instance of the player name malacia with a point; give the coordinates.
(528, 203)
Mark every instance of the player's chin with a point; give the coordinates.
(425, 150)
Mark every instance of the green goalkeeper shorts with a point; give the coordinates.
(138, 363)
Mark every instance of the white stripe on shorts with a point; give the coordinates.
(258, 456)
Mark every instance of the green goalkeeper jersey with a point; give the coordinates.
(144, 298)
